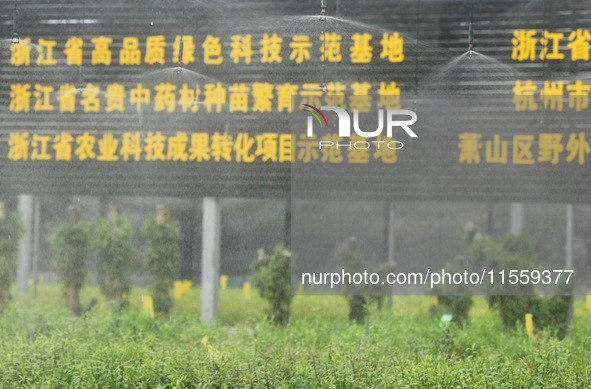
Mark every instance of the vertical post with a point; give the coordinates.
(516, 218)
(288, 222)
(210, 259)
(36, 236)
(103, 206)
(391, 243)
(391, 237)
(569, 263)
(25, 208)
(196, 242)
(490, 218)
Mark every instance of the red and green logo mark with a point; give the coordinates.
(317, 114)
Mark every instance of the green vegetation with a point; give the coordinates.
(350, 259)
(10, 232)
(113, 240)
(44, 346)
(454, 299)
(162, 256)
(71, 247)
(360, 296)
(514, 301)
(272, 277)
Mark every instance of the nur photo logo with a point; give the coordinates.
(402, 118)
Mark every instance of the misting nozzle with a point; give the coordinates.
(470, 36)
(322, 10)
(15, 39)
(181, 49)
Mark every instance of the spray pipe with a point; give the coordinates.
(180, 60)
(181, 44)
(470, 37)
(323, 19)
(471, 29)
(15, 38)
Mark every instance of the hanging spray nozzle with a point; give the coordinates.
(470, 37)
(180, 57)
(15, 38)
(323, 86)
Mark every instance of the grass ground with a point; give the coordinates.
(43, 346)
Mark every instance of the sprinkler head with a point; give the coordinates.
(14, 40)
(181, 50)
(470, 36)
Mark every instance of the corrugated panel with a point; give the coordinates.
(451, 95)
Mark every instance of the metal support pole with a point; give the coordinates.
(569, 263)
(490, 218)
(36, 236)
(25, 209)
(210, 259)
(391, 236)
(391, 244)
(288, 206)
(516, 218)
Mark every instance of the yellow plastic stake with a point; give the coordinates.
(223, 281)
(178, 290)
(300, 291)
(148, 305)
(246, 291)
(435, 301)
(529, 324)
(187, 284)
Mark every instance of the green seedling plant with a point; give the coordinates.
(71, 249)
(271, 275)
(11, 230)
(113, 242)
(162, 256)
